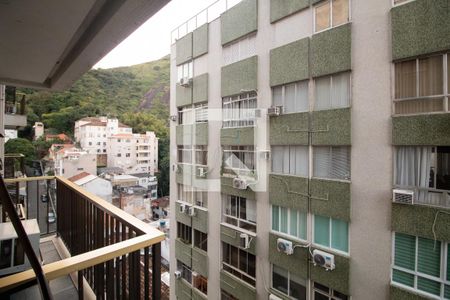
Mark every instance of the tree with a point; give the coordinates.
(41, 146)
(21, 146)
(164, 166)
(144, 121)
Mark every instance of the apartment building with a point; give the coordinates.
(69, 160)
(134, 153)
(311, 151)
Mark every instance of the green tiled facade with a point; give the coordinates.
(289, 129)
(200, 261)
(232, 237)
(228, 189)
(184, 49)
(183, 252)
(240, 76)
(331, 127)
(200, 41)
(236, 287)
(420, 130)
(297, 263)
(289, 191)
(280, 9)
(239, 21)
(242, 136)
(330, 198)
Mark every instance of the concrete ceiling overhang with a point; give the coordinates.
(50, 43)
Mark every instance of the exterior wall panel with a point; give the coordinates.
(330, 198)
(421, 130)
(184, 49)
(236, 287)
(289, 191)
(232, 237)
(183, 95)
(289, 129)
(239, 20)
(297, 263)
(200, 41)
(200, 88)
(331, 127)
(282, 8)
(240, 76)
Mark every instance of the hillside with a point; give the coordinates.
(112, 92)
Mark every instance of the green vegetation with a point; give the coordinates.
(137, 95)
(21, 146)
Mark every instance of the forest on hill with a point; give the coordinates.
(137, 95)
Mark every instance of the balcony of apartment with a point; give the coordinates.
(15, 110)
(84, 246)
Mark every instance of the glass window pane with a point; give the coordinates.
(340, 12)
(293, 226)
(429, 286)
(277, 159)
(405, 251)
(322, 230)
(431, 76)
(405, 79)
(302, 225)
(429, 257)
(448, 73)
(284, 220)
(277, 96)
(340, 91)
(251, 210)
(301, 160)
(340, 163)
(339, 235)
(301, 97)
(322, 162)
(322, 13)
(280, 279)
(323, 96)
(403, 278)
(286, 159)
(419, 106)
(289, 98)
(275, 218)
(297, 287)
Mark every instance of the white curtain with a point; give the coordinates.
(413, 168)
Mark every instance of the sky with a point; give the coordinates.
(151, 41)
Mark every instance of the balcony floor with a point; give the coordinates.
(61, 288)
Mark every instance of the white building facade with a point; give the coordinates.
(70, 161)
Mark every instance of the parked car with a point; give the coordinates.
(51, 217)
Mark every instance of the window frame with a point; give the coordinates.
(305, 285)
(244, 150)
(283, 95)
(444, 264)
(329, 2)
(236, 110)
(183, 68)
(445, 88)
(242, 273)
(289, 235)
(313, 176)
(227, 199)
(329, 294)
(330, 248)
(289, 158)
(331, 76)
(227, 50)
(191, 196)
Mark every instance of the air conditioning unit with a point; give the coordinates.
(185, 81)
(323, 259)
(191, 211)
(182, 208)
(273, 297)
(285, 246)
(177, 274)
(245, 241)
(403, 196)
(274, 111)
(239, 183)
(194, 275)
(201, 172)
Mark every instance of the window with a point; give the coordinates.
(201, 155)
(239, 50)
(331, 233)
(119, 140)
(127, 154)
(119, 154)
(226, 296)
(331, 162)
(288, 283)
(186, 272)
(240, 212)
(201, 284)
(104, 143)
(292, 160)
(90, 143)
(185, 154)
(322, 292)
(420, 86)
(421, 264)
(425, 170)
(185, 115)
(200, 240)
(239, 160)
(184, 233)
(240, 263)
(201, 113)
(239, 110)
(332, 91)
(289, 221)
(192, 195)
(185, 71)
(292, 97)
(331, 13)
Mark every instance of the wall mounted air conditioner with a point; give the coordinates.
(285, 246)
(13, 258)
(403, 196)
(274, 111)
(239, 183)
(177, 274)
(323, 259)
(245, 241)
(191, 211)
(182, 208)
(186, 82)
(201, 172)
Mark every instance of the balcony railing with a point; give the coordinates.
(110, 249)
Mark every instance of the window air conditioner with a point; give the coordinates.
(177, 274)
(182, 208)
(201, 172)
(274, 111)
(323, 259)
(191, 211)
(245, 241)
(185, 82)
(239, 183)
(403, 196)
(285, 246)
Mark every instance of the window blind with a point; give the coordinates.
(332, 91)
(290, 160)
(332, 162)
(429, 257)
(405, 249)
